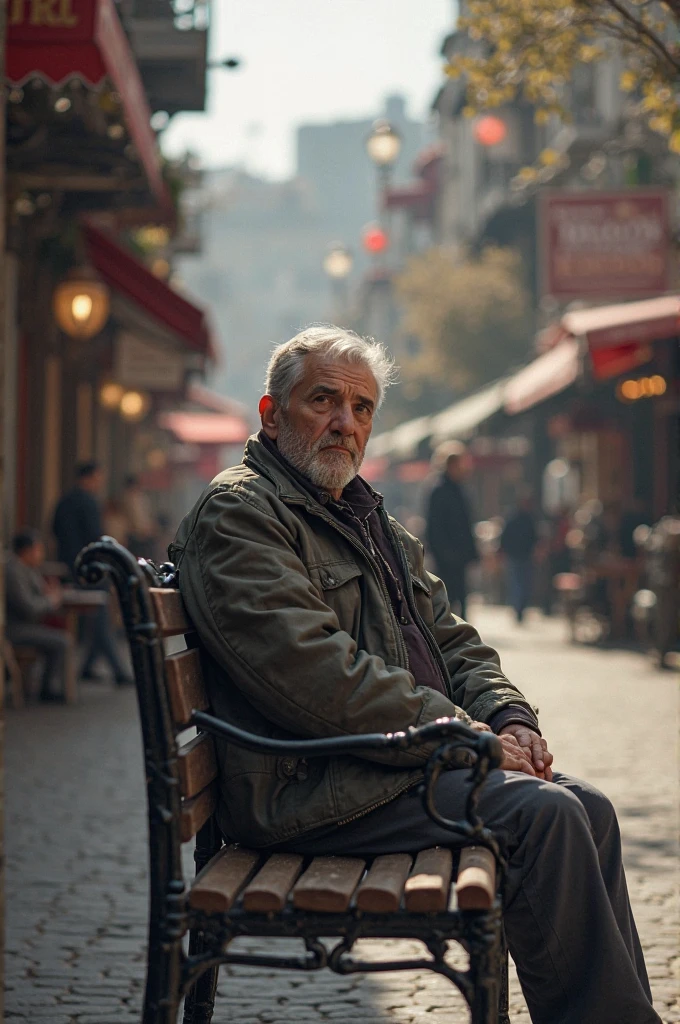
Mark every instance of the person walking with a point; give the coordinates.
(518, 541)
(29, 598)
(449, 528)
(77, 522)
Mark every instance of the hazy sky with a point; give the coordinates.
(308, 61)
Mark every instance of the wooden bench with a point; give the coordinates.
(242, 892)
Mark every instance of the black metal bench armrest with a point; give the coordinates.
(448, 730)
(452, 734)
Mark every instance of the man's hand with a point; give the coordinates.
(533, 746)
(515, 758)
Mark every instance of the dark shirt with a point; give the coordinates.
(77, 522)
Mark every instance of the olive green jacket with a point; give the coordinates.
(300, 640)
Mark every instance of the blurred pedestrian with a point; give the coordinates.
(518, 541)
(143, 529)
(449, 528)
(29, 598)
(77, 523)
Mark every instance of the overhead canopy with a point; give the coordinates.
(462, 418)
(401, 441)
(546, 376)
(84, 39)
(626, 323)
(205, 427)
(124, 273)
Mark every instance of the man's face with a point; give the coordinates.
(325, 429)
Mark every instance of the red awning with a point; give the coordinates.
(83, 39)
(124, 273)
(545, 377)
(626, 323)
(205, 427)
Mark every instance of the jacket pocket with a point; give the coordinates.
(338, 584)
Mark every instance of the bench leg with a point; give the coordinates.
(487, 955)
(504, 994)
(200, 1000)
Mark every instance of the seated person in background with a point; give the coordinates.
(29, 598)
(317, 618)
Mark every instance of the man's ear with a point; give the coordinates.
(269, 415)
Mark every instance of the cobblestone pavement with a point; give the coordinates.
(76, 845)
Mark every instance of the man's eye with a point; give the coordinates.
(363, 409)
(321, 398)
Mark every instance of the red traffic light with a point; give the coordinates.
(374, 239)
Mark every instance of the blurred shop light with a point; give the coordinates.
(642, 387)
(134, 406)
(81, 304)
(62, 105)
(490, 131)
(110, 395)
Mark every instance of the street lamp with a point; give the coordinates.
(337, 265)
(81, 304)
(337, 262)
(383, 145)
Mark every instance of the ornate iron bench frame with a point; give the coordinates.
(172, 972)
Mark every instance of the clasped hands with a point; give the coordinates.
(524, 750)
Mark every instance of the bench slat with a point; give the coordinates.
(197, 764)
(171, 615)
(268, 891)
(476, 883)
(381, 890)
(195, 812)
(328, 884)
(219, 883)
(427, 888)
(186, 690)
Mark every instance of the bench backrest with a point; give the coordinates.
(185, 688)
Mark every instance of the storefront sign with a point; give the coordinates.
(139, 364)
(604, 245)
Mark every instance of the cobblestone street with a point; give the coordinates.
(76, 844)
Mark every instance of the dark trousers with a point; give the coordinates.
(100, 642)
(568, 919)
(53, 644)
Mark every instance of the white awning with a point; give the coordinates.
(460, 420)
(402, 441)
(626, 322)
(546, 376)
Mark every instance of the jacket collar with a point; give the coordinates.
(291, 485)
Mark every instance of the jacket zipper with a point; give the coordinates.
(381, 803)
(420, 622)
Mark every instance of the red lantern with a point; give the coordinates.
(490, 131)
(374, 239)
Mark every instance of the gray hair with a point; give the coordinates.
(286, 365)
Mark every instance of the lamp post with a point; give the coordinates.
(383, 146)
(337, 264)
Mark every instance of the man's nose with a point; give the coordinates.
(343, 420)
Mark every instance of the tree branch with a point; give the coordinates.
(656, 42)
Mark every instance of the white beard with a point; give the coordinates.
(330, 470)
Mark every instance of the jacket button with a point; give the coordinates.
(288, 766)
(404, 620)
(330, 581)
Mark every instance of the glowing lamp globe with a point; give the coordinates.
(110, 394)
(134, 406)
(374, 239)
(383, 145)
(490, 131)
(81, 305)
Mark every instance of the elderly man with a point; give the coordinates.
(318, 619)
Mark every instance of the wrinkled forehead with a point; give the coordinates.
(351, 379)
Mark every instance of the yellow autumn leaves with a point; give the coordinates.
(529, 49)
